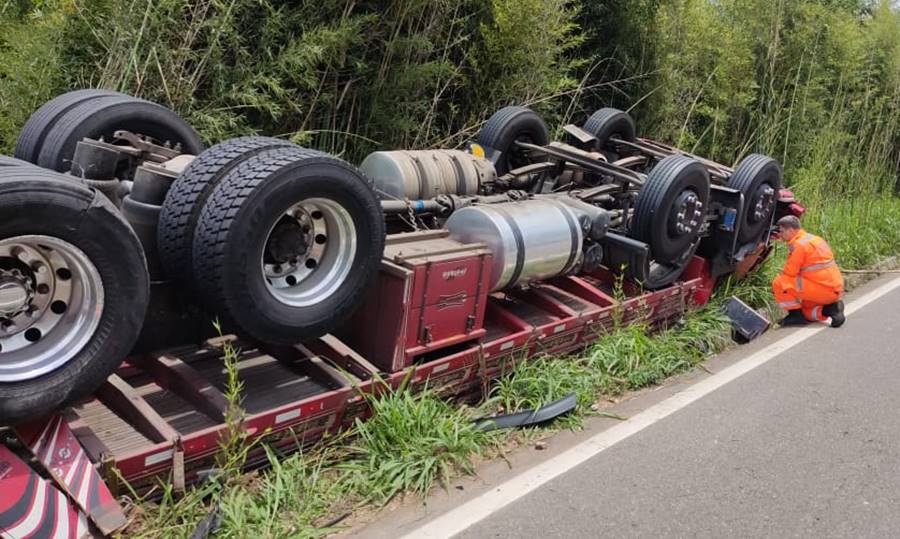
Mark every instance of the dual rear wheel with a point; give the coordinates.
(758, 177)
(276, 241)
(670, 211)
(51, 134)
(281, 241)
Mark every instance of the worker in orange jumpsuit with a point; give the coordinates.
(810, 286)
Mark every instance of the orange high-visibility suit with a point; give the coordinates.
(810, 279)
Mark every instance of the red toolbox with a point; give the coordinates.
(430, 294)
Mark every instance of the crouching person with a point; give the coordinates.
(810, 286)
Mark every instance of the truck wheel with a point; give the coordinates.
(32, 136)
(189, 192)
(507, 126)
(758, 177)
(103, 116)
(607, 123)
(670, 210)
(286, 244)
(73, 291)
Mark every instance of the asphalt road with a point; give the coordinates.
(807, 444)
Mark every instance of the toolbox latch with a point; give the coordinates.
(470, 323)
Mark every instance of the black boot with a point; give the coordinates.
(836, 312)
(794, 318)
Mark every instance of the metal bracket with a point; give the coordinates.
(144, 146)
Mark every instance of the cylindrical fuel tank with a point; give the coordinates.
(530, 240)
(424, 174)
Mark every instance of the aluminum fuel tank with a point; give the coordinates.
(530, 240)
(425, 174)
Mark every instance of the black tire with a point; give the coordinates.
(103, 116)
(505, 127)
(190, 191)
(607, 123)
(34, 201)
(759, 178)
(234, 226)
(31, 137)
(657, 204)
(7, 163)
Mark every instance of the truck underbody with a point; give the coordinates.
(447, 305)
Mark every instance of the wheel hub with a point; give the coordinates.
(295, 246)
(309, 251)
(15, 293)
(289, 240)
(765, 202)
(51, 301)
(687, 216)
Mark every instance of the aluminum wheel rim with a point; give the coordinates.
(60, 310)
(317, 273)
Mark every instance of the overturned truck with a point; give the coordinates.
(123, 240)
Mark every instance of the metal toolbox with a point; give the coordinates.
(430, 294)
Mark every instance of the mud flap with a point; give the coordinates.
(32, 507)
(55, 446)
(630, 255)
(746, 323)
(529, 417)
(633, 257)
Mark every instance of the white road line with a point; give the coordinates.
(479, 508)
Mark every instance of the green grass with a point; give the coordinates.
(630, 357)
(412, 442)
(295, 498)
(860, 231)
(811, 83)
(539, 381)
(176, 514)
(415, 441)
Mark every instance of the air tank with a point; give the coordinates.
(425, 174)
(530, 240)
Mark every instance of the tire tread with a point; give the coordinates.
(189, 192)
(211, 240)
(34, 132)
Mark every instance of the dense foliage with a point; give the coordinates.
(342, 75)
(814, 82)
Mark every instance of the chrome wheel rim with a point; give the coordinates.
(309, 252)
(51, 302)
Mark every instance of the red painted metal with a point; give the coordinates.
(698, 268)
(789, 202)
(57, 449)
(380, 348)
(431, 294)
(32, 507)
(796, 209)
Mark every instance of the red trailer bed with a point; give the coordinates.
(161, 416)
